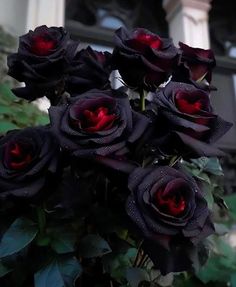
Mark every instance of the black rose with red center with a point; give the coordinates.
(196, 64)
(143, 59)
(29, 160)
(41, 62)
(98, 124)
(185, 112)
(90, 69)
(171, 215)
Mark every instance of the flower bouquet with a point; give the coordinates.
(107, 193)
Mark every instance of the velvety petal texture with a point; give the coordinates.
(90, 69)
(98, 124)
(196, 64)
(185, 112)
(42, 61)
(29, 160)
(143, 59)
(169, 211)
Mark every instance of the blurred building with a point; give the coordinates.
(199, 23)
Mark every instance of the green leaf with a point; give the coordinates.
(221, 229)
(207, 193)
(49, 276)
(70, 269)
(233, 280)
(6, 92)
(231, 203)
(221, 264)
(18, 236)
(62, 241)
(136, 275)
(58, 273)
(6, 125)
(4, 270)
(213, 166)
(93, 245)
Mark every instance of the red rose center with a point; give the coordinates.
(18, 157)
(152, 41)
(172, 205)
(97, 120)
(141, 40)
(42, 45)
(190, 103)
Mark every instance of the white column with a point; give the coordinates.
(19, 16)
(45, 12)
(13, 14)
(188, 21)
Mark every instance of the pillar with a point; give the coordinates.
(188, 21)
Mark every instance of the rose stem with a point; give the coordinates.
(138, 252)
(142, 100)
(143, 260)
(174, 160)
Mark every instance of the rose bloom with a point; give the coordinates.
(143, 59)
(29, 162)
(90, 69)
(170, 214)
(185, 113)
(195, 67)
(198, 61)
(41, 61)
(98, 125)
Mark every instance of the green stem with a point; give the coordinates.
(142, 100)
(174, 160)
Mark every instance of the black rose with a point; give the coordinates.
(41, 61)
(90, 69)
(143, 59)
(98, 125)
(171, 214)
(185, 112)
(29, 159)
(195, 66)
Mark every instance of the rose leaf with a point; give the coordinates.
(135, 276)
(62, 241)
(4, 270)
(93, 245)
(58, 273)
(20, 234)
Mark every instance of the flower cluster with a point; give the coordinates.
(101, 139)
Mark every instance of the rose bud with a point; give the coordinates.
(196, 64)
(143, 59)
(98, 125)
(186, 111)
(90, 69)
(29, 162)
(41, 62)
(170, 213)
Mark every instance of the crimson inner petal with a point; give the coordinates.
(152, 41)
(141, 40)
(173, 204)
(191, 103)
(42, 45)
(98, 120)
(18, 156)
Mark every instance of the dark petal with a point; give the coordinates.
(174, 260)
(136, 216)
(199, 148)
(140, 124)
(218, 129)
(116, 164)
